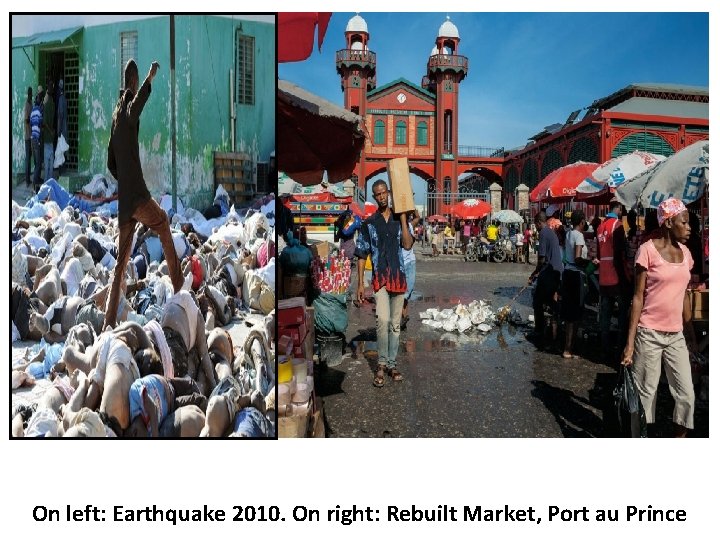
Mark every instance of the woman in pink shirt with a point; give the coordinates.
(660, 310)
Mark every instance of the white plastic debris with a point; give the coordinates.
(464, 324)
(484, 327)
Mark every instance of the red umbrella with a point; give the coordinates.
(471, 209)
(296, 34)
(438, 218)
(560, 185)
(370, 209)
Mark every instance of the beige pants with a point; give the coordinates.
(654, 350)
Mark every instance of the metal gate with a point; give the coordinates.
(65, 65)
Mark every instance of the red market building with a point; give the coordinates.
(420, 122)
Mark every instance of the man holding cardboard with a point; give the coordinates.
(383, 238)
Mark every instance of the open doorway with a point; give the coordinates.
(64, 64)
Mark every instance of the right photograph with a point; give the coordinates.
(493, 225)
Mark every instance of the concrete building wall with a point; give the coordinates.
(204, 57)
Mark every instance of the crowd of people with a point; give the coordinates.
(45, 122)
(634, 276)
(640, 277)
(455, 236)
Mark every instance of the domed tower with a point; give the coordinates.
(445, 70)
(356, 65)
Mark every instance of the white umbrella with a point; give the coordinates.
(507, 216)
(683, 175)
(614, 172)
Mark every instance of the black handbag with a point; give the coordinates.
(631, 414)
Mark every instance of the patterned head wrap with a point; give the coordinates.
(669, 208)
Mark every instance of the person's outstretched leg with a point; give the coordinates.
(125, 240)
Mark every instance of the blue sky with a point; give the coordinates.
(527, 70)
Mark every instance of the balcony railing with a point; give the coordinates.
(448, 61)
(480, 151)
(351, 56)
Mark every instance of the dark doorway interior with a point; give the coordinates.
(65, 65)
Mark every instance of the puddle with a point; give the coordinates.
(429, 341)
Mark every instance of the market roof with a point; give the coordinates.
(56, 37)
(663, 107)
(356, 24)
(448, 29)
(634, 88)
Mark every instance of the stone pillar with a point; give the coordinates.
(522, 197)
(495, 197)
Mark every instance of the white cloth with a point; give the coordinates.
(43, 423)
(165, 355)
(62, 147)
(19, 266)
(185, 301)
(111, 350)
(72, 275)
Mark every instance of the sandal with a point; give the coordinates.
(395, 375)
(379, 380)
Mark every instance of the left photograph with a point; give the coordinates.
(143, 226)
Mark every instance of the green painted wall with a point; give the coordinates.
(204, 56)
(23, 75)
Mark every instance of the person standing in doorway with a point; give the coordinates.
(382, 238)
(134, 201)
(36, 121)
(28, 133)
(48, 132)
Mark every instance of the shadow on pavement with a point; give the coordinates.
(571, 412)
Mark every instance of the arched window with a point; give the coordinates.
(446, 189)
(401, 132)
(529, 175)
(422, 137)
(552, 161)
(379, 132)
(647, 142)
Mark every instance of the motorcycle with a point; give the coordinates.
(471, 250)
(494, 250)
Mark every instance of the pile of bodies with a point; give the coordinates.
(196, 363)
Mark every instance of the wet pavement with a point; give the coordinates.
(471, 385)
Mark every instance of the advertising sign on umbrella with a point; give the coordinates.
(614, 172)
(683, 175)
